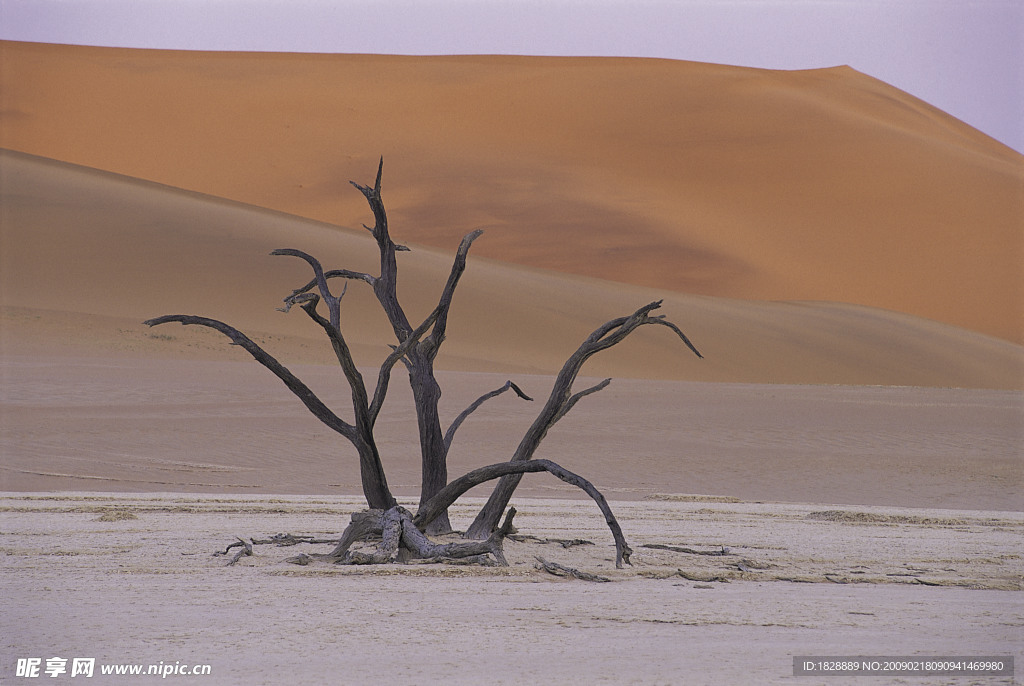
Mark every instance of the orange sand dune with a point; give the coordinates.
(712, 180)
(85, 256)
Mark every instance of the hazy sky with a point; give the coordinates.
(964, 56)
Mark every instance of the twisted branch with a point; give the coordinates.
(561, 400)
(450, 493)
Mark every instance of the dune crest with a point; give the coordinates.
(704, 179)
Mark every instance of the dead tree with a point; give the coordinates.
(417, 348)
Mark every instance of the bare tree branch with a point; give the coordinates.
(333, 302)
(450, 434)
(294, 384)
(375, 486)
(560, 401)
(360, 403)
(398, 352)
(450, 493)
(660, 319)
(575, 398)
(332, 274)
(433, 343)
(386, 285)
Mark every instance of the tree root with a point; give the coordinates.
(401, 541)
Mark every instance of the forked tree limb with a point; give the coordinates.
(365, 409)
(435, 322)
(418, 356)
(450, 493)
(398, 352)
(560, 401)
(331, 274)
(576, 397)
(360, 402)
(427, 392)
(333, 302)
(371, 469)
(308, 302)
(385, 287)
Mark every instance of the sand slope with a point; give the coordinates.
(824, 185)
(86, 256)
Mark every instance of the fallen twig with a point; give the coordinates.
(564, 542)
(927, 583)
(702, 578)
(277, 539)
(689, 551)
(245, 551)
(562, 571)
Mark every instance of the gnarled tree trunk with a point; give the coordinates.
(417, 348)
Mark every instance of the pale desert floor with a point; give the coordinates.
(858, 520)
(133, 579)
(888, 574)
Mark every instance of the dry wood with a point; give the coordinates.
(401, 540)
(564, 542)
(362, 526)
(452, 491)
(278, 540)
(449, 435)
(375, 487)
(245, 551)
(704, 578)
(689, 551)
(561, 400)
(563, 571)
(417, 347)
